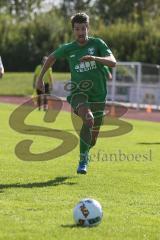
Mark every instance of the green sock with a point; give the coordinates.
(85, 140)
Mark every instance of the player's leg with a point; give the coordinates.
(86, 131)
(98, 113)
(79, 103)
(45, 96)
(85, 136)
(95, 130)
(39, 99)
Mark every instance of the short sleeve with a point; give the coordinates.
(60, 52)
(103, 48)
(106, 70)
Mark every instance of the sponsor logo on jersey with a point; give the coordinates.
(85, 66)
(91, 51)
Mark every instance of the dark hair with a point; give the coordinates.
(79, 18)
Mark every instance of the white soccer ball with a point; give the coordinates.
(88, 212)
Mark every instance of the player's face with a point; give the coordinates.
(80, 31)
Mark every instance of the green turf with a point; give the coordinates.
(37, 198)
(21, 83)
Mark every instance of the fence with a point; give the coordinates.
(133, 83)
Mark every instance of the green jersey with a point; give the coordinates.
(90, 71)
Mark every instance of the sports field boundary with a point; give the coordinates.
(138, 114)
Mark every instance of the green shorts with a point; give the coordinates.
(95, 104)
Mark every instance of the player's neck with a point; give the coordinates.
(84, 42)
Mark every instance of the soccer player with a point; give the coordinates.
(48, 81)
(87, 57)
(1, 68)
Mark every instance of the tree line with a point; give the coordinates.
(30, 29)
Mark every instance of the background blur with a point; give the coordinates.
(30, 29)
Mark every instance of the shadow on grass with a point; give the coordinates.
(51, 183)
(76, 226)
(70, 226)
(149, 143)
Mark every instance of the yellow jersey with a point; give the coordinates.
(47, 76)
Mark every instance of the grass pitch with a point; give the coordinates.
(37, 198)
(21, 83)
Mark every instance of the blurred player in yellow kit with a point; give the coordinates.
(48, 81)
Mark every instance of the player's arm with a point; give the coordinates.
(109, 61)
(109, 76)
(108, 73)
(48, 63)
(50, 79)
(105, 55)
(57, 54)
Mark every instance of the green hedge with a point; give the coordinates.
(22, 44)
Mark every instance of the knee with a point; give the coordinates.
(89, 120)
(86, 116)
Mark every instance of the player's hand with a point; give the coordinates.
(87, 58)
(40, 85)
